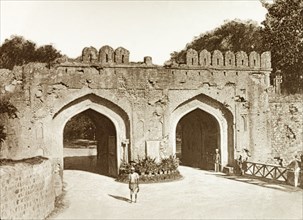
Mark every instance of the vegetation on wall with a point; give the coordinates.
(18, 51)
(79, 127)
(7, 108)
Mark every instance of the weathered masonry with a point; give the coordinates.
(212, 101)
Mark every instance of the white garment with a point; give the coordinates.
(296, 176)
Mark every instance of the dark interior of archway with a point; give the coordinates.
(90, 144)
(197, 138)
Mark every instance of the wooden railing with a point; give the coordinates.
(274, 172)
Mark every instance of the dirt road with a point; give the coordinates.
(200, 195)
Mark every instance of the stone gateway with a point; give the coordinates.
(213, 101)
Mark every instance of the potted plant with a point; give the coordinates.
(164, 165)
(151, 165)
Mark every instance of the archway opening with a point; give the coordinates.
(197, 138)
(90, 143)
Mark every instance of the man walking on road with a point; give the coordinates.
(133, 184)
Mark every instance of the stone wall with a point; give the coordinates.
(27, 190)
(286, 117)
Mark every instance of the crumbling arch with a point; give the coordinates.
(216, 109)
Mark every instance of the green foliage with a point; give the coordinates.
(79, 127)
(153, 178)
(150, 171)
(46, 54)
(7, 107)
(171, 163)
(124, 168)
(17, 51)
(283, 34)
(149, 165)
(233, 35)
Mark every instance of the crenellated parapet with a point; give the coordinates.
(241, 59)
(121, 56)
(192, 58)
(266, 60)
(229, 59)
(106, 55)
(205, 58)
(217, 58)
(89, 55)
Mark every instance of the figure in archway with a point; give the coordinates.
(197, 138)
(93, 145)
(217, 161)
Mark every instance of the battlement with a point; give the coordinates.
(106, 55)
(194, 59)
(230, 59)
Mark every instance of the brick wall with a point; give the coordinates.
(27, 190)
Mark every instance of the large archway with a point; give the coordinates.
(92, 148)
(197, 138)
(196, 114)
(112, 129)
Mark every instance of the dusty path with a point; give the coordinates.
(200, 195)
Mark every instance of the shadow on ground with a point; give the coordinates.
(84, 163)
(120, 198)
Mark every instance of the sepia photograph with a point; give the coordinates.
(151, 109)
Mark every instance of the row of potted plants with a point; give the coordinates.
(150, 170)
(149, 166)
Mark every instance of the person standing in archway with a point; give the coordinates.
(294, 166)
(217, 161)
(133, 184)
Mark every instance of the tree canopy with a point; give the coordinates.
(233, 35)
(283, 34)
(79, 127)
(18, 51)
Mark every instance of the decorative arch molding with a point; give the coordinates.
(88, 102)
(223, 116)
(95, 96)
(94, 99)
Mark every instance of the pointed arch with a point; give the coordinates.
(216, 109)
(88, 102)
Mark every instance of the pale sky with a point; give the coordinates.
(145, 28)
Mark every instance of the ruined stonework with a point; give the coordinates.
(27, 191)
(286, 126)
(144, 104)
